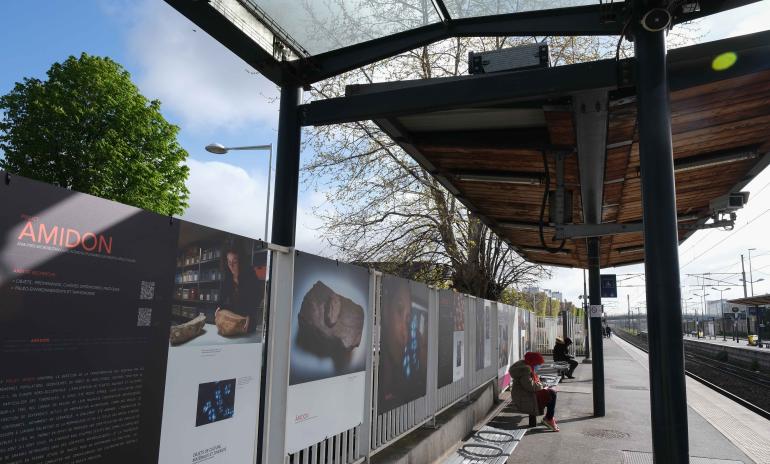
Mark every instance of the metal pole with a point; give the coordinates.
(269, 181)
(743, 271)
(585, 319)
(564, 320)
(597, 365)
(284, 226)
(628, 305)
(751, 275)
(287, 167)
(668, 398)
(724, 329)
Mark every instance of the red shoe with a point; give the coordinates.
(551, 424)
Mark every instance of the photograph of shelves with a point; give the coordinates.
(198, 281)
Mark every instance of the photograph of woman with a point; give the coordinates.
(243, 291)
(404, 345)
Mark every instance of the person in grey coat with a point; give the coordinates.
(528, 395)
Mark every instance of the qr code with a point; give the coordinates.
(147, 290)
(144, 317)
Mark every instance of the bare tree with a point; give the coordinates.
(382, 206)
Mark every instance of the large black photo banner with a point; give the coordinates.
(403, 343)
(84, 325)
(124, 334)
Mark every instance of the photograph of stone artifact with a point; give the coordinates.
(230, 324)
(185, 332)
(330, 319)
(334, 322)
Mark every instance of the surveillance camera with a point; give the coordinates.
(656, 19)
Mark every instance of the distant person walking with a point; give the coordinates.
(561, 354)
(609, 332)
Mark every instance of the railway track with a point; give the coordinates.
(744, 386)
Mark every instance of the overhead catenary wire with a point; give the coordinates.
(735, 231)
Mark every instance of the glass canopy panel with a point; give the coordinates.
(320, 26)
(471, 8)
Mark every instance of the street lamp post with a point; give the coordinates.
(219, 149)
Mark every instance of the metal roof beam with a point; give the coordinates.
(584, 20)
(479, 90)
(237, 41)
(606, 19)
(533, 139)
(442, 9)
(590, 113)
(688, 66)
(694, 65)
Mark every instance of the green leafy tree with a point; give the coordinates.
(87, 128)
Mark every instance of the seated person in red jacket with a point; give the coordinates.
(525, 382)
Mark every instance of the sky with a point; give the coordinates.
(216, 97)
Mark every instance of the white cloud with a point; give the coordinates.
(226, 197)
(193, 75)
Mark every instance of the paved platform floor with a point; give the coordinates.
(626, 426)
(742, 344)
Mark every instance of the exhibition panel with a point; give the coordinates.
(164, 321)
(403, 361)
(330, 339)
(451, 337)
(125, 334)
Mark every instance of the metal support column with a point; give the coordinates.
(284, 226)
(597, 347)
(287, 167)
(668, 399)
(586, 322)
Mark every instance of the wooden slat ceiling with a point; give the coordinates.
(723, 116)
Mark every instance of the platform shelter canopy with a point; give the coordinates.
(545, 157)
(759, 300)
(309, 40)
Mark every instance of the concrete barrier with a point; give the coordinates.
(750, 359)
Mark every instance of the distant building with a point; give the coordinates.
(531, 290)
(716, 308)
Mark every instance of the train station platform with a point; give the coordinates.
(720, 430)
(729, 342)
